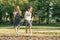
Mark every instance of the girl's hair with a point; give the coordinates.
(17, 8)
(28, 8)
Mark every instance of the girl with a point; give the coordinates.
(16, 17)
(28, 19)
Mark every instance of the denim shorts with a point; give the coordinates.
(26, 23)
(16, 22)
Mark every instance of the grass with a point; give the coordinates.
(11, 32)
(8, 30)
(37, 30)
(34, 24)
(51, 25)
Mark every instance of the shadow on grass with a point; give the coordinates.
(5, 25)
(48, 25)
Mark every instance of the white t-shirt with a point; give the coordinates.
(14, 13)
(27, 15)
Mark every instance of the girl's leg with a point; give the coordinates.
(18, 26)
(16, 30)
(30, 30)
(27, 29)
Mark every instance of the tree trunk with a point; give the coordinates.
(47, 21)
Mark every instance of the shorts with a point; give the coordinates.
(27, 23)
(16, 22)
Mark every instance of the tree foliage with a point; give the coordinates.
(40, 7)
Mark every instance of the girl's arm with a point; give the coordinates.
(13, 15)
(25, 16)
(20, 12)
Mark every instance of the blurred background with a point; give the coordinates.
(44, 11)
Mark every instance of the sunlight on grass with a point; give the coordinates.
(11, 32)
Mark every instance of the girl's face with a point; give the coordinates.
(17, 7)
(30, 9)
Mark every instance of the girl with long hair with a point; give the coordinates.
(16, 18)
